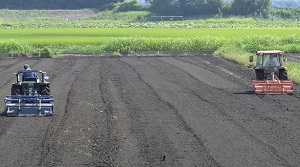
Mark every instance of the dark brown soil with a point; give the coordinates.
(178, 110)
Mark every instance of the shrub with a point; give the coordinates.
(15, 47)
(129, 6)
(46, 53)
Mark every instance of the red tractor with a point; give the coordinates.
(271, 75)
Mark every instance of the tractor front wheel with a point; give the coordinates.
(260, 75)
(15, 90)
(283, 75)
(45, 90)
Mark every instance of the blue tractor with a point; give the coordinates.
(30, 97)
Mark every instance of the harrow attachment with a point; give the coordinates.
(29, 105)
(272, 85)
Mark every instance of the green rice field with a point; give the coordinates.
(145, 38)
(102, 34)
(90, 40)
(225, 41)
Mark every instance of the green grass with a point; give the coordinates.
(151, 39)
(103, 35)
(234, 44)
(141, 19)
(293, 70)
(235, 54)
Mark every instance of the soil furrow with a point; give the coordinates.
(180, 119)
(151, 111)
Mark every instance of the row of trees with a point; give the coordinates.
(185, 8)
(199, 7)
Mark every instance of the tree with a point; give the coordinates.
(165, 7)
(129, 6)
(251, 7)
(214, 6)
(186, 7)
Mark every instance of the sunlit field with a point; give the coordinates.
(150, 39)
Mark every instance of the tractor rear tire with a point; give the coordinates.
(283, 75)
(45, 90)
(259, 75)
(15, 90)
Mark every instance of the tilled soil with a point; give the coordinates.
(194, 110)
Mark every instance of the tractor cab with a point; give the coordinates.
(269, 62)
(270, 59)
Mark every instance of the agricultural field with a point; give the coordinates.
(209, 23)
(186, 103)
(60, 33)
(178, 110)
(146, 39)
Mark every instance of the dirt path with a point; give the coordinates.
(151, 111)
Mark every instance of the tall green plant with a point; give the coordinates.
(16, 47)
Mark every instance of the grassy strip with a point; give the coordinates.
(242, 57)
(164, 44)
(102, 34)
(293, 70)
(236, 55)
(128, 21)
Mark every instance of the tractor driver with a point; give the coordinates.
(271, 62)
(28, 74)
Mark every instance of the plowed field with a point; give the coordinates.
(193, 110)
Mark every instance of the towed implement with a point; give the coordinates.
(271, 75)
(30, 97)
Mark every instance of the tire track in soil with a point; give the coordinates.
(98, 152)
(268, 125)
(9, 68)
(247, 75)
(43, 64)
(49, 136)
(179, 119)
(34, 63)
(231, 118)
(104, 152)
(217, 69)
(279, 104)
(176, 82)
(268, 147)
(58, 122)
(122, 143)
(243, 129)
(152, 144)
